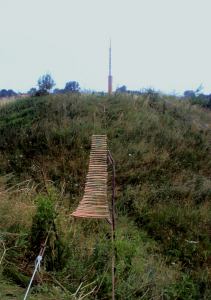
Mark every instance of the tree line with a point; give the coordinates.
(46, 83)
(45, 86)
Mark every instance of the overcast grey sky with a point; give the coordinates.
(165, 44)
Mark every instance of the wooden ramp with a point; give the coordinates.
(94, 203)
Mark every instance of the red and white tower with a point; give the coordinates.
(110, 76)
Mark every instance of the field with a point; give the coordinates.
(161, 146)
(8, 100)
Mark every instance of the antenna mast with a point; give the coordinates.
(110, 76)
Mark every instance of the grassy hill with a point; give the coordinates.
(162, 150)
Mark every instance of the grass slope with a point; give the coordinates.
(162, 151)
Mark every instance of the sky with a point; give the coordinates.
(162, 44)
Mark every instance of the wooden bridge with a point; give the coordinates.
(94, 203)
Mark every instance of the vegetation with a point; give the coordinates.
(121, 89)
(70, 87)
(162, 151)
(7, 93)
(46, 83)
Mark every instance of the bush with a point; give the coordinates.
(44, 233)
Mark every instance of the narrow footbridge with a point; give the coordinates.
(94, 203)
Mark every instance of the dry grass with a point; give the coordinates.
(16, 205)
(163, 179)
(8, 100)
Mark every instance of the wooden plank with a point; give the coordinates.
(94, 203)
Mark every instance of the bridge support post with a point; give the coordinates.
(113, 224)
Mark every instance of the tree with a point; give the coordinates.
(193, 94)
(45, 83)
(7, 93)
(121, 89)
(199, 89)
(189, 94)
(32, 91)
(72, 87)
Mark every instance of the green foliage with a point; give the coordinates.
(162, 151)
(44, 232)
(72, 87)
(42, 221)
(13, 274)
(45, 83)
(184, 289)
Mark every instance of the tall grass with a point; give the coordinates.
(5, 101)
(162, 151)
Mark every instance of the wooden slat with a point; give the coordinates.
(94, 203)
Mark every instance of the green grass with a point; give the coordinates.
(162, 151)
(9, 291)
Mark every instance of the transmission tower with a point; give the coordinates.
(110, 76)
